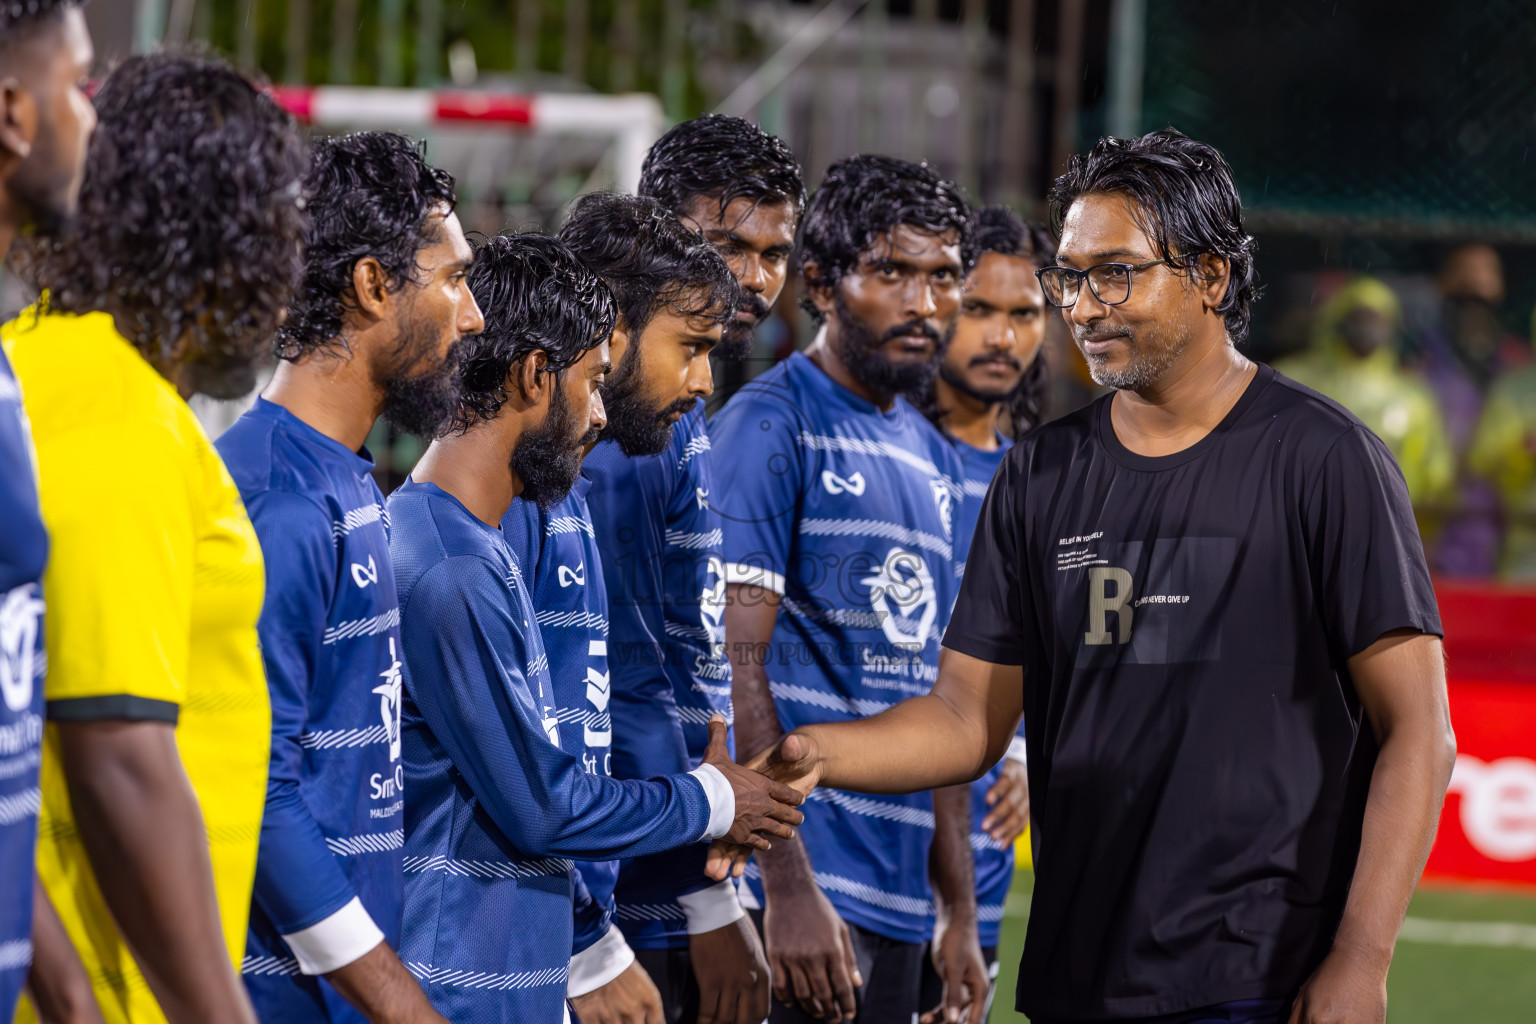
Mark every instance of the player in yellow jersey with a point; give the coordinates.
(172, 281)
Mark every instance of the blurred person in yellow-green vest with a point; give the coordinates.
(1503, 451)
(1353, 360)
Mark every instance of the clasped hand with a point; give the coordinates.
(765, 807)
(786, 773)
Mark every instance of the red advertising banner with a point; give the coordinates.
(1488, 827)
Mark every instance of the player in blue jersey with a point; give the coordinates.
(384, 304)
(838, 502)
(659, 541)
(494, 805)
(46, 119)
(992, 367)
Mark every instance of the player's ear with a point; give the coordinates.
(1212, 274)
(531, 378)
(818, 288)
(18, 122)
(370, 288)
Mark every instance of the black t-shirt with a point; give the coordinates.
(1198, 758)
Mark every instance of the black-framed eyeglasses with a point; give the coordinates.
(1109, 282)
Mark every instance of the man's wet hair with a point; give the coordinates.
(1183, 198)
(723, 158)
(369, 194)
(536, 296)
(21, 19)
(191, 221)
(649, 260)
(865, 197)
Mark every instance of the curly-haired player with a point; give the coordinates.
(992, 366)
(837, 500)
(497, 803)
(172, 280)
(385, 303)
(45, 122)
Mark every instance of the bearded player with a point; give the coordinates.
(992, 377)
(838, 502)
(373, 332)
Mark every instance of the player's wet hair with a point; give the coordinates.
(191, 221)
(649, 260)
(1183, 197)
(19, 19)
(865, 197)
(370, 194)
(536, 296)
(998, 229)
(724, 158)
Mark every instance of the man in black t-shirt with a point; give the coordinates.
(1208, 597)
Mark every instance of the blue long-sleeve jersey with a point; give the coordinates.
(994, 861)
(845, 510)
(558, 549)
(494, 806)
(659, 538)
(333, 826)
(23, 557)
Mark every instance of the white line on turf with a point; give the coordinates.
(1505, 934)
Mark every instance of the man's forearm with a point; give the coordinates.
(951, 865)
(57, 981)
(758, 728)
(143, 831)
(383, 991)
(1407, 791)
(880, 754)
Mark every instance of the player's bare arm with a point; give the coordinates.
(1401, 682)
(956, 949)
(138, 814)
(809, 952)
(57, 982)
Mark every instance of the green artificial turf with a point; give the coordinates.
(1430, 983)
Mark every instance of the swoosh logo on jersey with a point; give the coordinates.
(576, 576)
(364, 576)
(701, 496)
(835, 484)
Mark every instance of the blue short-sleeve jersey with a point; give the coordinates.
(994, 861)
(849, 512)
(23, 557)
(333, 826)
(659, 538)
(558, 549)
(494, 806)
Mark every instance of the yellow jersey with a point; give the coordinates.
(154, 586)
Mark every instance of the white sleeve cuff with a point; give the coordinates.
(754, 576)
(722, 800)
(335, 942)
(1016, 751)
(711, 908)
(598, 964)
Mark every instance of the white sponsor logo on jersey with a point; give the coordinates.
(364, 575)
(20, 611)
(904, 587)
(576, 576)
(598, 693)
(389, 700)
(853, 484)
(946, 504)
(712, 605)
